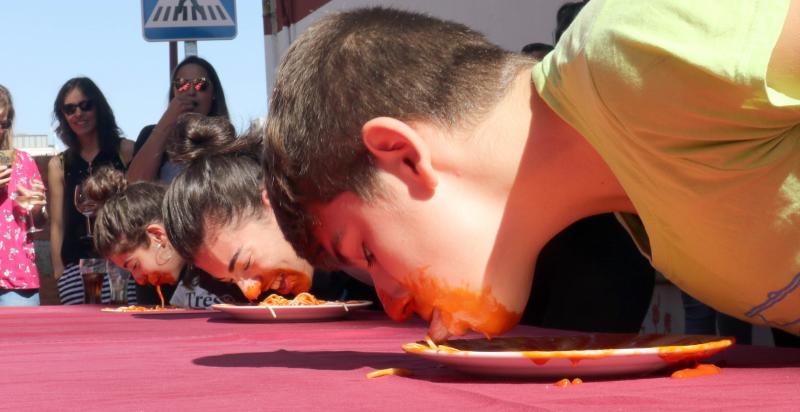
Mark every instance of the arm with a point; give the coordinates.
(145, 163)
(38, 187)
(55, 179)
(126, 151)
(785, 62)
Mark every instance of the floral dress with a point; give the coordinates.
(17, 254)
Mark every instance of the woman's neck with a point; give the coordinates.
(89, 146)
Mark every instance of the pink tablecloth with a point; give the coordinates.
(77, 358)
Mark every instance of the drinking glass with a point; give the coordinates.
(27, 203)
(118, 284)
(7, 157)
(92, 272)
(86, 207)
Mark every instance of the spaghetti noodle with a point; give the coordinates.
(302, 299)
(160, 295)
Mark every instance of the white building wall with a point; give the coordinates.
(510, 24)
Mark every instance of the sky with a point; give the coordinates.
(48, 42)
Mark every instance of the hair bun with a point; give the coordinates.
(104, 184)
(197, 136)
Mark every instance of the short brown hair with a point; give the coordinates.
(354, 66)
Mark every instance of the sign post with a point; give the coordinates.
(188, 20)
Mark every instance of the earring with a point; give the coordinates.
(163, 254)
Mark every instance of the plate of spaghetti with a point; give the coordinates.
(150, 310)
(597, 354)
(304, 307)
(153, 309)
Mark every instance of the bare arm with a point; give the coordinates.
(55, 178)
(126, 151)
(144, 165)
(785, 62)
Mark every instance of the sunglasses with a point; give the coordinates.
(5, 125)
(85, 106)
(199, 84)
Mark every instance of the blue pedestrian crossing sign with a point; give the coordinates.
(188, 20)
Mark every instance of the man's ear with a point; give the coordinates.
(398, 149)
(156, 233)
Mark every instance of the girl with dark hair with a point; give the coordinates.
(217, 217)
(195, 88)
(22, 198)
(129, 231)
(87, 126)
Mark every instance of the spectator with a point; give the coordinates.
(195, 88)
(20, 185)
(86, 125)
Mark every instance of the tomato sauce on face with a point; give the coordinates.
(160, 278)
(295, 281)
(460, 308)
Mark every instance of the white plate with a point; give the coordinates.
(150, 311)
(570, 356)
(325, 311)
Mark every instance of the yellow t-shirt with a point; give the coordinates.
(674, 96)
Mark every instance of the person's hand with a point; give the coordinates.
(35, 196)
(5, 176)
(180, 104)
(57, 272)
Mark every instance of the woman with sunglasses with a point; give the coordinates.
(21, 199)
(195, 88)
(87, 126)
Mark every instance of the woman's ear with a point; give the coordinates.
(157, 233)
(399, 150)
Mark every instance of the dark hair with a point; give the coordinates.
(109, 134)
(8, 104)
(218, 105)
(532, 49)
(199, 136)
(351, 67)
(220, 182)
(565, 15)
(124, 210)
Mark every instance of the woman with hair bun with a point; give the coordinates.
(218, 217)
(129, 230)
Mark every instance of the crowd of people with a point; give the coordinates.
(473, 186)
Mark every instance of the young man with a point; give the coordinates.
(415, 150)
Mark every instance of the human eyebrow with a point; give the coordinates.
(235, 256)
